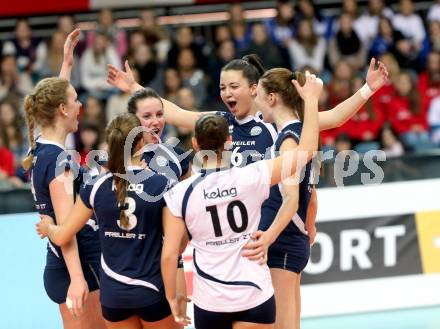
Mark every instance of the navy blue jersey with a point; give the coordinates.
(130, 261)
(251, 138)
(167, 160)
(270, 207)
(51, 160)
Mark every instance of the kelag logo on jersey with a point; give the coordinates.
(220, 194)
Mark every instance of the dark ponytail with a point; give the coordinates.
(211, 132)
(250, 65)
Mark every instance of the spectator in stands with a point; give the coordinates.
(172, 84)
(386, 40)
(410, 24)
(66, 24)
(281, 29)
(340, 85)
(429, 81)
(407, 116)
(7, 170)
(307, 49)
(116, 104)
(434, 12)
(185, 100)
(53, 59)
(185, 39)
(306, 10)
(390, 143)
(25, 48)
(366, 25)
(224, 54)
(136, 39)
(241, 31)
(12, 131)
(154, 34)
(347, 45)
(116, 36)
(13, 84)
(433, 39)
(434, 120)
(262, 46)
(145, 63)
(94, 66)
(222, 34)
(350, 7)
(192, 77)
(89, 139)
(94, 113)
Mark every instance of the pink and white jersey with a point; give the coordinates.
(221, 209)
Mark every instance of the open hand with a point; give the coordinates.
(311, 89)
(69, 46)
(376, 78)
(124, 81)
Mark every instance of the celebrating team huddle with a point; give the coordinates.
(247, 206)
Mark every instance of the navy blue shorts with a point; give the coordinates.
(263, 313)
(57, 281)
(290, 254)
(151, 313)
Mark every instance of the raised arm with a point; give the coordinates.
(174, 115)
(341, 113)
(69, 46)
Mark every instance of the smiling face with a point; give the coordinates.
(71, 110)
(236, 93)
(150, 113)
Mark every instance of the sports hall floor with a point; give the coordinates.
(24, 304)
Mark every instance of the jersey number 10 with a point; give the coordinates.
(231, 218)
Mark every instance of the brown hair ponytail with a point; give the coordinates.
(117, 133)
(279, 81)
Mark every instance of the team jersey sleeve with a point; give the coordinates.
(85, 192)
(173, 199)
(258, 174)
(183, 159)
(291, 134)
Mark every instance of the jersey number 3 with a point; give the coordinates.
(231, 218)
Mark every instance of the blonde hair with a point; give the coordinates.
(40, 108)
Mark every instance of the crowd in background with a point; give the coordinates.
(404, 116)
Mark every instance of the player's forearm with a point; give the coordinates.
(310, 133)
(285, 214)
(342, 112)
(135, 87)
(169, 275)
(71, 257)
(180, 282)
(66, 71)
(179, 117)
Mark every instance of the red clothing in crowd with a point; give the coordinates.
(7, 161)
(364, 125)
(401, 117)
(428, 90)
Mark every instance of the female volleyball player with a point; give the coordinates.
(128, 203)
(71, 276)
(238, 82)
(286, 208)
(219, 209)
